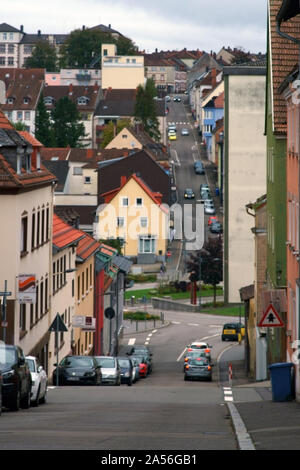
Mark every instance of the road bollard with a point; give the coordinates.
(230, 374)
(240, 338)
(154, 323)
(136, 325)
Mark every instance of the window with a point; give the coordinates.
(54, 278)
(77, 170)
(147, 244)
(78, 288)
(125, 202)
(87, 279)
(43, 227)
(82, 284)
(37, 304)
(120, 221)
(144, 222)
(33, 232)
(139, 201)
(2, 60)
(11, 36)
(46, 295)
(47, 224)
(38, 229)
(10, 61)
(2, 48)
(10, 101)
(27, 49)
(87, 180)
(27, 115)
(26, 100)
(22, 319)
(124, 136)
(4, 36)
(19, 115)
(48, 101)
(104, 51)
(82, 100)
(208, 114)
(42, 299)
(24, 227)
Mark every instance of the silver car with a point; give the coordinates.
(209, 207)
(110, 369)
(185, 131)
(198, 368)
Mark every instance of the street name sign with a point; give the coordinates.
(271, 318)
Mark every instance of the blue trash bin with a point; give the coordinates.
(217, 191)
(281, 380)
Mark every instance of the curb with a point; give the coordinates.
(145, 331)
(243, 438)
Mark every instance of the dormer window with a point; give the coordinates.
(48, 101)
(26, 100)
(82, 100)
(10, 100)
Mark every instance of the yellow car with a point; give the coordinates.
(231, 331)
(172, 137)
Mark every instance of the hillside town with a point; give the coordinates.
(161, 184)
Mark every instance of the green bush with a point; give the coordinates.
(140, 316)
(142, 277)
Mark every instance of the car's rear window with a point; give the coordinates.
(73, 361)
(198, 362)
(124, 362)
(230, 326)
(106, 362)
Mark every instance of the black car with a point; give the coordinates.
(126, 366)
(79, 370)
(16, 378)
(216, 227)
(0, 392)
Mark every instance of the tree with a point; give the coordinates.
(67, 128)
(43, 125)
(19, 126)
(108, 133)
(84, 45)
(145, 109)
(206, 264)
(43, 56)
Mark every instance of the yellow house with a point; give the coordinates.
(83, 327)
(135, 214)
(121, 72)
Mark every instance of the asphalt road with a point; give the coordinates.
(161, 412)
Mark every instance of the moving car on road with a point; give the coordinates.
(194, 354)
(198, 368)
(172, 136)
(198, 167)
(185, 131)
(110, 369)
(39, 381)
(209, 207)
(189, 194)
(176, 99)
(78, 370)
(16, 387)
(126, 367)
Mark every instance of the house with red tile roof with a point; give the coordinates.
(26, 201)
(135, 214)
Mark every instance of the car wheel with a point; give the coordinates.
(15, 404)
(129, 383)
(185, 378)
(25, 402)
(44, 398)
(37, 400)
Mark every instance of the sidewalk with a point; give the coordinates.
(270, 425)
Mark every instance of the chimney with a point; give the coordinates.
(70, 89)
(83, 27)
(19, 159)
(39, 32)
(123, 180)
(158, 197)
(213, 77)
(22, 28)
(109, 26)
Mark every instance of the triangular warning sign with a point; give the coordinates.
(58, 324)
(271, 318)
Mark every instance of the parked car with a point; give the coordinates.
(212, 219)
(142, 350)
(204, 186)
(176, 99)
(209, 207)
(16, 378)
(142, 364)
(185, 131)
(110, 369)
(0, 392)
(39, 381)
(126, 367)
(168, 99)
(198, 368)
(78, 370)
(189, 194)
(216, 227)
(136, 369)
(172, 127)
(172, 136)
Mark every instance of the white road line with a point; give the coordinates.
(176, 322)
(228, 398)
(146, 342)
(131, 341)
(227, 392)
(179, 357)
(244, 439)
(150, 334)
(193, 324)
(154, 331)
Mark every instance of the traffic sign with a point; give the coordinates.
(271, 318)
(58, 324)
(109, 313)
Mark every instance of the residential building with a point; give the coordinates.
(83, 336)
(23, 89)
(282, 57)
(86, 99)
(65, 292)
(26, 199)
(212, 111)
(244, 170)
(121, 72)
(76, 77)
(134, 213)
(120, 104)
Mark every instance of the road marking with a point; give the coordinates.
(228, 398)
(131, 341)
(154, 331)
(244, 439)
(176, 322)
(150, 334)
(227, 392)
(193, 324)
(146, 342)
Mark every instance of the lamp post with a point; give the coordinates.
(221, 166)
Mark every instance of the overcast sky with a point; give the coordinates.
(161, 24)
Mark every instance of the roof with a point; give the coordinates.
(123, 263)
(55, 153)
(118, 102)
(105, 29)
(21, 89)
(60, 169)
(283, 55)
(86, 248)
(76, 215)
(4, 122)
(73, 92)
(64, 235)
(6, 28)
(32, 140)
(12, 75)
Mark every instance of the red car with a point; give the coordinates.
(212, 219)
(143, 366)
